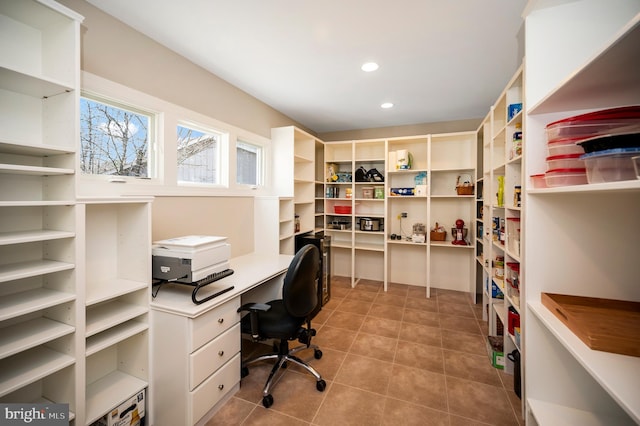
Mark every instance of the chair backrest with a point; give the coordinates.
(299, 291)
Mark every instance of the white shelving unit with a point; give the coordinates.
(502, 219)
(373, 254)
(295, 178)
(40, 310)
(116, 267)
(580, 240)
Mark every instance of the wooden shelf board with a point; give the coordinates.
(28, 334)
(114, 335)
(20, 237)
(111, 288)
(25, 302)
(16, 169)
(28, 366)
(110, 391)
(102, 317)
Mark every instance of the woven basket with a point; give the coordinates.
(438, 236)
(464, 190)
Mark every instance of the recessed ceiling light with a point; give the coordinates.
(370, 66)
(386, 105)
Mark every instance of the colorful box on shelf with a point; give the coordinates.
(495, 348)
(496, 293)
(401, 191)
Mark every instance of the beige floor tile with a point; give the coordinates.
(422, 303)
(390, 299)
(477, 401)
(471, 367)
(373, 346)
(381, 327)
(398, 289)
(432, 336)
(296, 395)
(262, 416)
(397, 412)
(386, 311)
(458, 323)
(234, 412)
(458, 309)
(345, 405)
(417, 316)
(418, 387)
(365, 373)
(345, 320)
(338, 339)
(421, 356)
(361, 295)
(354, 306)
(464, 342)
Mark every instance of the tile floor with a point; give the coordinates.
(394, 358)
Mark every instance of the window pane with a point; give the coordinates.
(197, 155)
(248, 164)
(114, 141)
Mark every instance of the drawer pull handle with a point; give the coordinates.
(221, 353)
(220, 320)
(220, 387)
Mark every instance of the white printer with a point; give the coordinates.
(190, 258)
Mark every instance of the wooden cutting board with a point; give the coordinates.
(602, 324)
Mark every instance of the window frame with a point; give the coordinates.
(165, 183)
(221, 168)
(260, 163)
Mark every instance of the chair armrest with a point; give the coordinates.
(253, 309)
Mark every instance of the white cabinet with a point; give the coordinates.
(115, 262)
(579, 240)
(196, 361)
(39, 308)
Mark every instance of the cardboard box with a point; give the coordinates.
(125, 413)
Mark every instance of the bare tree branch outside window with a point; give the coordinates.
(114, 141)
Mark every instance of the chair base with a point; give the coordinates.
(283, 356)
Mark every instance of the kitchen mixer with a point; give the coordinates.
(459, 233)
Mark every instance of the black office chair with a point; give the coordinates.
(284, 319)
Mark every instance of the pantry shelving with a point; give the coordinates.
(579, 226)
(500, 215)
(40, 310)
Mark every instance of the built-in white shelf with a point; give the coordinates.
(110, 391)
(114, 335)
(104, 316)
(25, 302)
(28, 334)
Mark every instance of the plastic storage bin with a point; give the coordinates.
(611, 165)
(538, 181)
(567, 161)
(564, 147)
(565, 177)
(604, 122)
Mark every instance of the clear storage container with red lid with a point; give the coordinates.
(604, 122)
(568, 161)
(566, 177)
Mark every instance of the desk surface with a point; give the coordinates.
(250, 271)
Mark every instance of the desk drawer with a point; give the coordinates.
(205, 396)
(209, 325)
(213, 355)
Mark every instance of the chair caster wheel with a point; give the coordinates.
(267, 401)
(321, 385)
(317, 354)
(244, 372)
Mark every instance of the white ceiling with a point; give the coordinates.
(440, 60)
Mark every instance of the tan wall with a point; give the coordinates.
(230, 217)
(115, 51)
(396, 131)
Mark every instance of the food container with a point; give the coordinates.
(565, 177)
(538, 181)
(604, 122)
(402, 191)
(601, 143)
(567, 161)
(342, 209)
(611, 165)
(367, 192)
(564, 147)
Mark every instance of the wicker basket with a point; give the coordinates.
(438, 236)
(464, 190)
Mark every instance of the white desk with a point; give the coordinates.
(195, 349)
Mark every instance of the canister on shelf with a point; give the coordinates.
(517, 193)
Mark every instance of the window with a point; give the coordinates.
(115, 138)
(198, 155)
(248, 164)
